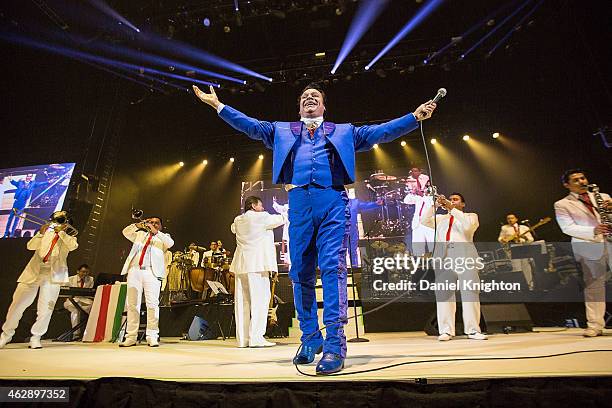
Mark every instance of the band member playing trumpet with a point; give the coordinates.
(145, 269)
(254, 260)
(455, 241)
(579, 217)
(46, 272)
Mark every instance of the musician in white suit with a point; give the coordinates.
(454, 237)
(254, 260)
(46, 272)
(145, 267)
(422, 236)
(283, 209)
(578, 217)
(80, 280)
(512, 232)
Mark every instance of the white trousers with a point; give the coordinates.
(594, 275)
(421, 236)
(75, 314)
(251, 302)
(24, 296)
(139, 280)
(446, 302)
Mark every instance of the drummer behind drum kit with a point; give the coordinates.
(187, 282)
(398, 197)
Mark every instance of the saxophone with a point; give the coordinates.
(605, 214)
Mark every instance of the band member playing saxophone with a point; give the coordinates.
(579, 217)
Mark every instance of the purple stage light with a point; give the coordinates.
(206, 22)
(421, 15)
(515, 28)
(468, 32)
(79, 55)
(184, 50)
(106, 9)
(368, 12)
(490, 33)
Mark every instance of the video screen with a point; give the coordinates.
(34, 192)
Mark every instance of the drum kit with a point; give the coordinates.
(398, 195)
(188, 282)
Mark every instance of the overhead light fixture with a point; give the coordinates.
(181, 164)
(495, 135)
(466, 137)
(433, 141)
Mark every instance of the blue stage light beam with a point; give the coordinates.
(418, 18)
(127, 77)
(468, 31)
(515, 28)
(74, 54)
(236, 5)
(490, 33)
(366, 14)
(144, 57)
(178, 48)
(106, 9)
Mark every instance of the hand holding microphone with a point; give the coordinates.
(426, 110)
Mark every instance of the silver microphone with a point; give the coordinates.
(441, 94)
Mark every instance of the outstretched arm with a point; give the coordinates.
(367, 136)
(253, 128)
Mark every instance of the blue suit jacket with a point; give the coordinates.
(346, 138)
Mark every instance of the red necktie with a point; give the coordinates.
(418, 185)
(311, 131)
(421, 210)
(81, 282)
(144, 250)
(586, 200)
(516, 229)
(450, 226)
(55, 238)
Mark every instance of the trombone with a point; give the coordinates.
(57, 219)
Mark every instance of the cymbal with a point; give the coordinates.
(399, 247)
(379, 245)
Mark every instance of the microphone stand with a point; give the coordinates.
(358, 339)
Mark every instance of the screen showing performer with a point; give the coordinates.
(37, 190)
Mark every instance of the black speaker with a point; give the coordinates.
(494, 318)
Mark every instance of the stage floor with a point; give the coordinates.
(221, 361)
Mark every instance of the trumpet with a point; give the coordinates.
(57, 220)
(142, 224)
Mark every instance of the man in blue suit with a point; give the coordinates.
(315, 160)
(23, 192)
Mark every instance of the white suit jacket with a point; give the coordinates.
(421, 205)
(57, 261)
(159, 244)
(507, 231)
(577, 221)
(283, 209)
(255, 251)
(461, 243)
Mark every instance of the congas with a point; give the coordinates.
(228, 280)
(198, 278)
